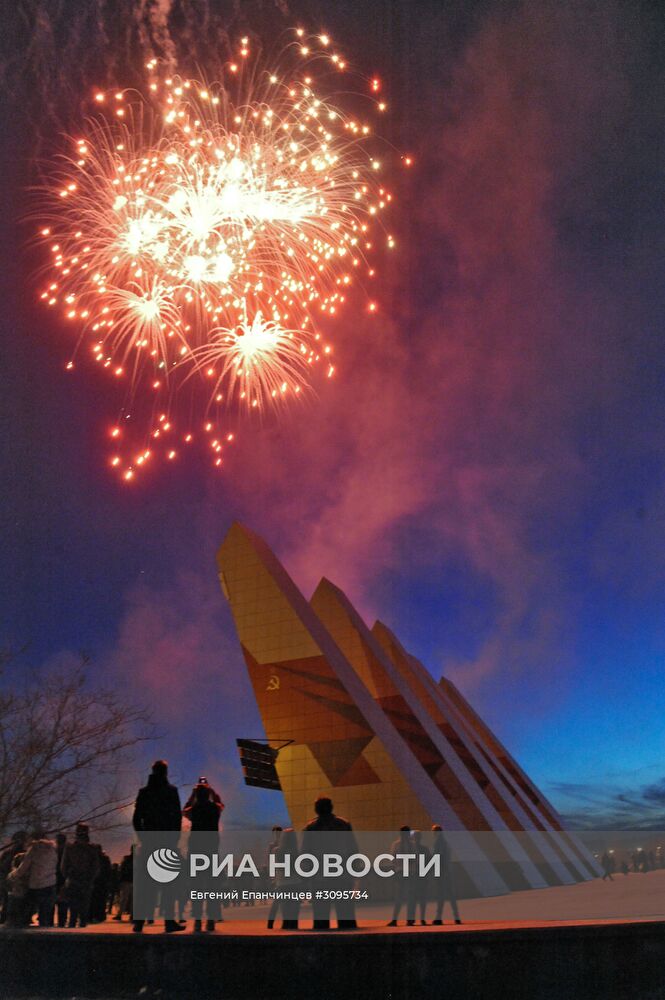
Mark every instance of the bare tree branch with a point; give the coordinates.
(62, 745)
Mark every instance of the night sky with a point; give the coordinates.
(486, 472)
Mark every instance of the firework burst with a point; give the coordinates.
(258, 362)
(200, 233)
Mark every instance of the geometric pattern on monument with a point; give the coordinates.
(304, 667)
(349, 631)
(346, 710)
(335, 611)
(338, 615)
(375, 676)
(485, 775)
(523, 781)
(292, 706)
(486, 771)
(500, 803)
(347, 628)
(411, 730)
(342, 762)
(502, 755)
(407, 669)
(360, 773)
(454, 791)
(552, 862)
(312, 668)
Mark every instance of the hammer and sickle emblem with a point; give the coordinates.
(273, 683)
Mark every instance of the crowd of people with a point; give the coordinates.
(640, 860)
(158, 809)
(60, 882)
(71, 883)
(412, 893)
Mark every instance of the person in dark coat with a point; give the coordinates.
(445, 884)
(126, 879)
(80, 867)
(61, 904)
(272, 851)
(114, 888)
(287, 847)
(203, 814)
(158, 808)
(327, 822)
(202, 810)
(158, 803)
(607, 866)
(101, 888)
(401, 881)
(213, 795)
(418, 884)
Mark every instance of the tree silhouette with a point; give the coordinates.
(63, 747)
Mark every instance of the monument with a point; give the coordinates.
(361, 720)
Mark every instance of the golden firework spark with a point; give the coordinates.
(206, 229)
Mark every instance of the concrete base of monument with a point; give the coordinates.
(593, 940)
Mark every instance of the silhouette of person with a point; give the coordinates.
(157, 803)
(203, 814)
(212, 794)
(418, 884)
(80, 867)
(607, 865)
(157, 808)
(401, 879)
(445, 883)
(287, 846)
(101, 888)
(203, 811)
(126, 880)
(345, 845)
(61, 904)
(272, 850)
